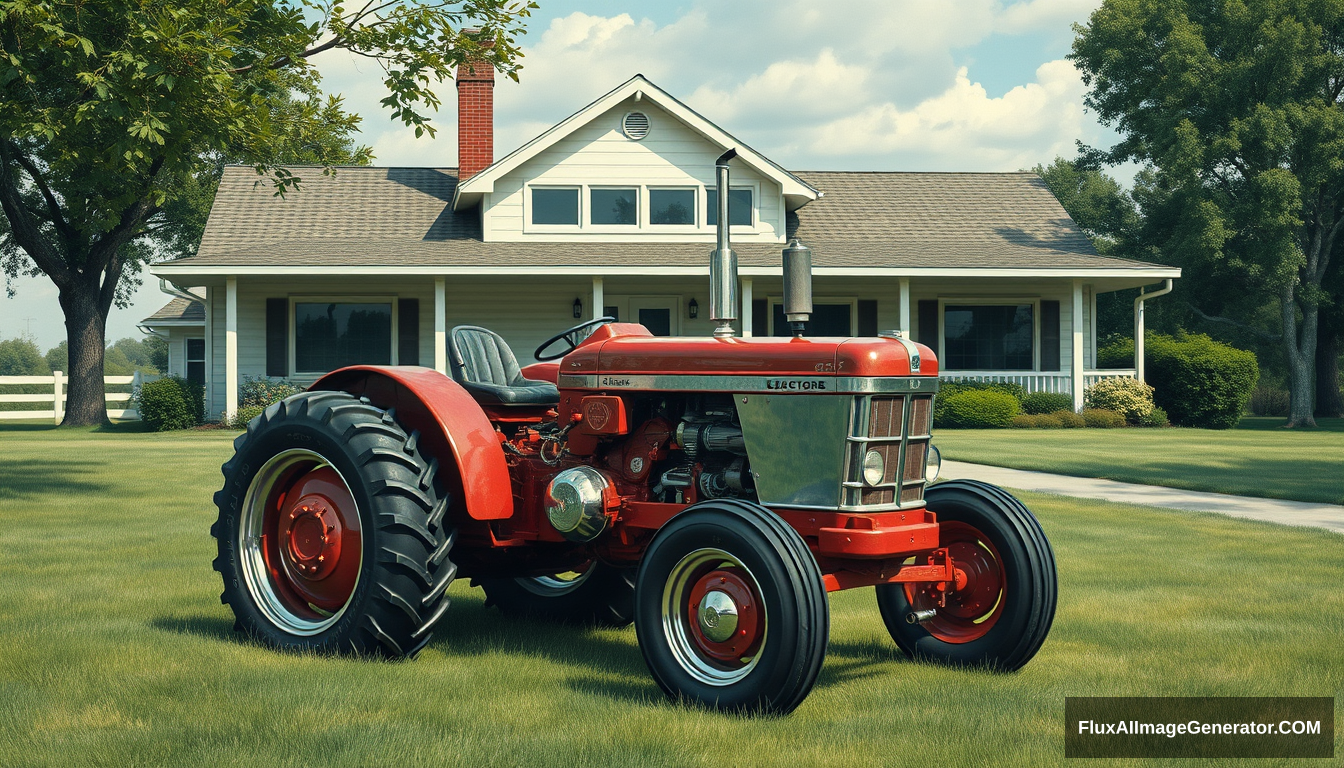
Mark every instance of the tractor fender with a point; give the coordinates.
(452, 426)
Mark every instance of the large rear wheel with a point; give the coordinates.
(1004, 601)
(332, 534)
(731, 609)
(597, 594)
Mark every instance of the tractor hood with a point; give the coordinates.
(628, 348)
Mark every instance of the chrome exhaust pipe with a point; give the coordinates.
(919, 617)
(722, 261)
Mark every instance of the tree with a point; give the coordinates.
(1096, 203)
(1237, 107)
(20, 357)
(58, 357)
(157, 346)
(114, 113)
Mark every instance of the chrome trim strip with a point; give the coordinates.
(853, 507)
(775, 385)
(910, 348)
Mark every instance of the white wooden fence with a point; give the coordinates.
(57, 382)
(1038, 382)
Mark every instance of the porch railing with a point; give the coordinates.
(1035, 381)
(56, 396)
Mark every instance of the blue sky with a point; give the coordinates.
(970, 85)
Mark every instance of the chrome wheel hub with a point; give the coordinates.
(718, 616)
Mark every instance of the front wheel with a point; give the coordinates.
(332, 534)
(1004, 601)
(731, 610)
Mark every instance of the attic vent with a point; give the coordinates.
(635, 125)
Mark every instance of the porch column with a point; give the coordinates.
(746, 312)
(598, 299)
(1076, 322)
(440, 327)
(231, 348)
(1138, 336)
(905, 307)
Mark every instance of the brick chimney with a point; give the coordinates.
(475, 118)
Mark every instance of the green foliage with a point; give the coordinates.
(1096, 202)
(1269, 401)
(1199, 382)
(246, 413)
(157, 347)
(260, 391)
(1130, 397)
(979, 409)
(1039, 403)
(1155, 418)
(1100, 418)
(1062, 419)
(20, 357)
(170, 403)
(58, 357)
(949, 388)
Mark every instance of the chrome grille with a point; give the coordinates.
(897, 427)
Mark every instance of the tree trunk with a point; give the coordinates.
(1300, 349)
(86, 332)
(1329, 399)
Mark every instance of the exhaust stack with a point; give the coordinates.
(722, 260)
(797, 285)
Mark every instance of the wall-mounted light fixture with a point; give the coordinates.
(578, 309)
(693, 309)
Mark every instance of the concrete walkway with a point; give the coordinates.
(1328, 516)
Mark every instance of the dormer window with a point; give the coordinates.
(614, 206)
(740, 213)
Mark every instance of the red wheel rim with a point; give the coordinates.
(975, 602)
(747, 634)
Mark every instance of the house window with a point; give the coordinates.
(196, 361)
(614, 206)
(555, 206)
(672, 206)
(330, 335)
(739, 207)
(995, 337)
(828, 319)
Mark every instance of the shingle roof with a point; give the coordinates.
(178, 311)
(364, 216)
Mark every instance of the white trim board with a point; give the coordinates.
(1155, 272)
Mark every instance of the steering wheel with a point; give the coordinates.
(573, 337)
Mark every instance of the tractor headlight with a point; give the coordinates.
(933, 465)
(874, 468)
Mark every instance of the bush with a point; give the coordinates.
(1198, 381)
(1070, 420)
(1266, 401)
(263, 391)
(948, 389)
(1100, 418)
(1155, 418)
(1047, 402)
(245, 414)
(170, 403)
(1130, 397)
(979, 408)
(1038, 421)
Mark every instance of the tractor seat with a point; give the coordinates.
(485, 366)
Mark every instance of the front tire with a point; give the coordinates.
(731, 610)
(601, 595)
(1001, 615)
(332, 534)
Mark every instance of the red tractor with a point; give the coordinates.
(709, 490)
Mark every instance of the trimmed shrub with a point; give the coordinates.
(262, 391)
(245, 414)
(950, 388)
(980, 409)
(1199, 382)
(1129, 397)
(1047, 402)
(1037, 421)
(1266, 401)
(1100, 418)
(1070, 420)
(170, 403)
(1155, 418)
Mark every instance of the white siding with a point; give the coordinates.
(598, 154)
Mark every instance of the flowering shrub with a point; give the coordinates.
(1129, 397)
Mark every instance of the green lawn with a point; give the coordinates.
(115, 650)
(1258, 458)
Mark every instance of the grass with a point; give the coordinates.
(117, 651)
(1258, 458)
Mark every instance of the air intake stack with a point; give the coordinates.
(797, 286)
(722, 260)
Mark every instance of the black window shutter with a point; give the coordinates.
(867, 317)
(408, 332)
(277, 337)
(760, 318)
(1049, 335)
(928, 323)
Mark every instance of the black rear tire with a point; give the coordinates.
(602, 595)
(1028, 590)
(403, 570)
(729, 558)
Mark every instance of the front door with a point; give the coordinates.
(657, 313)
